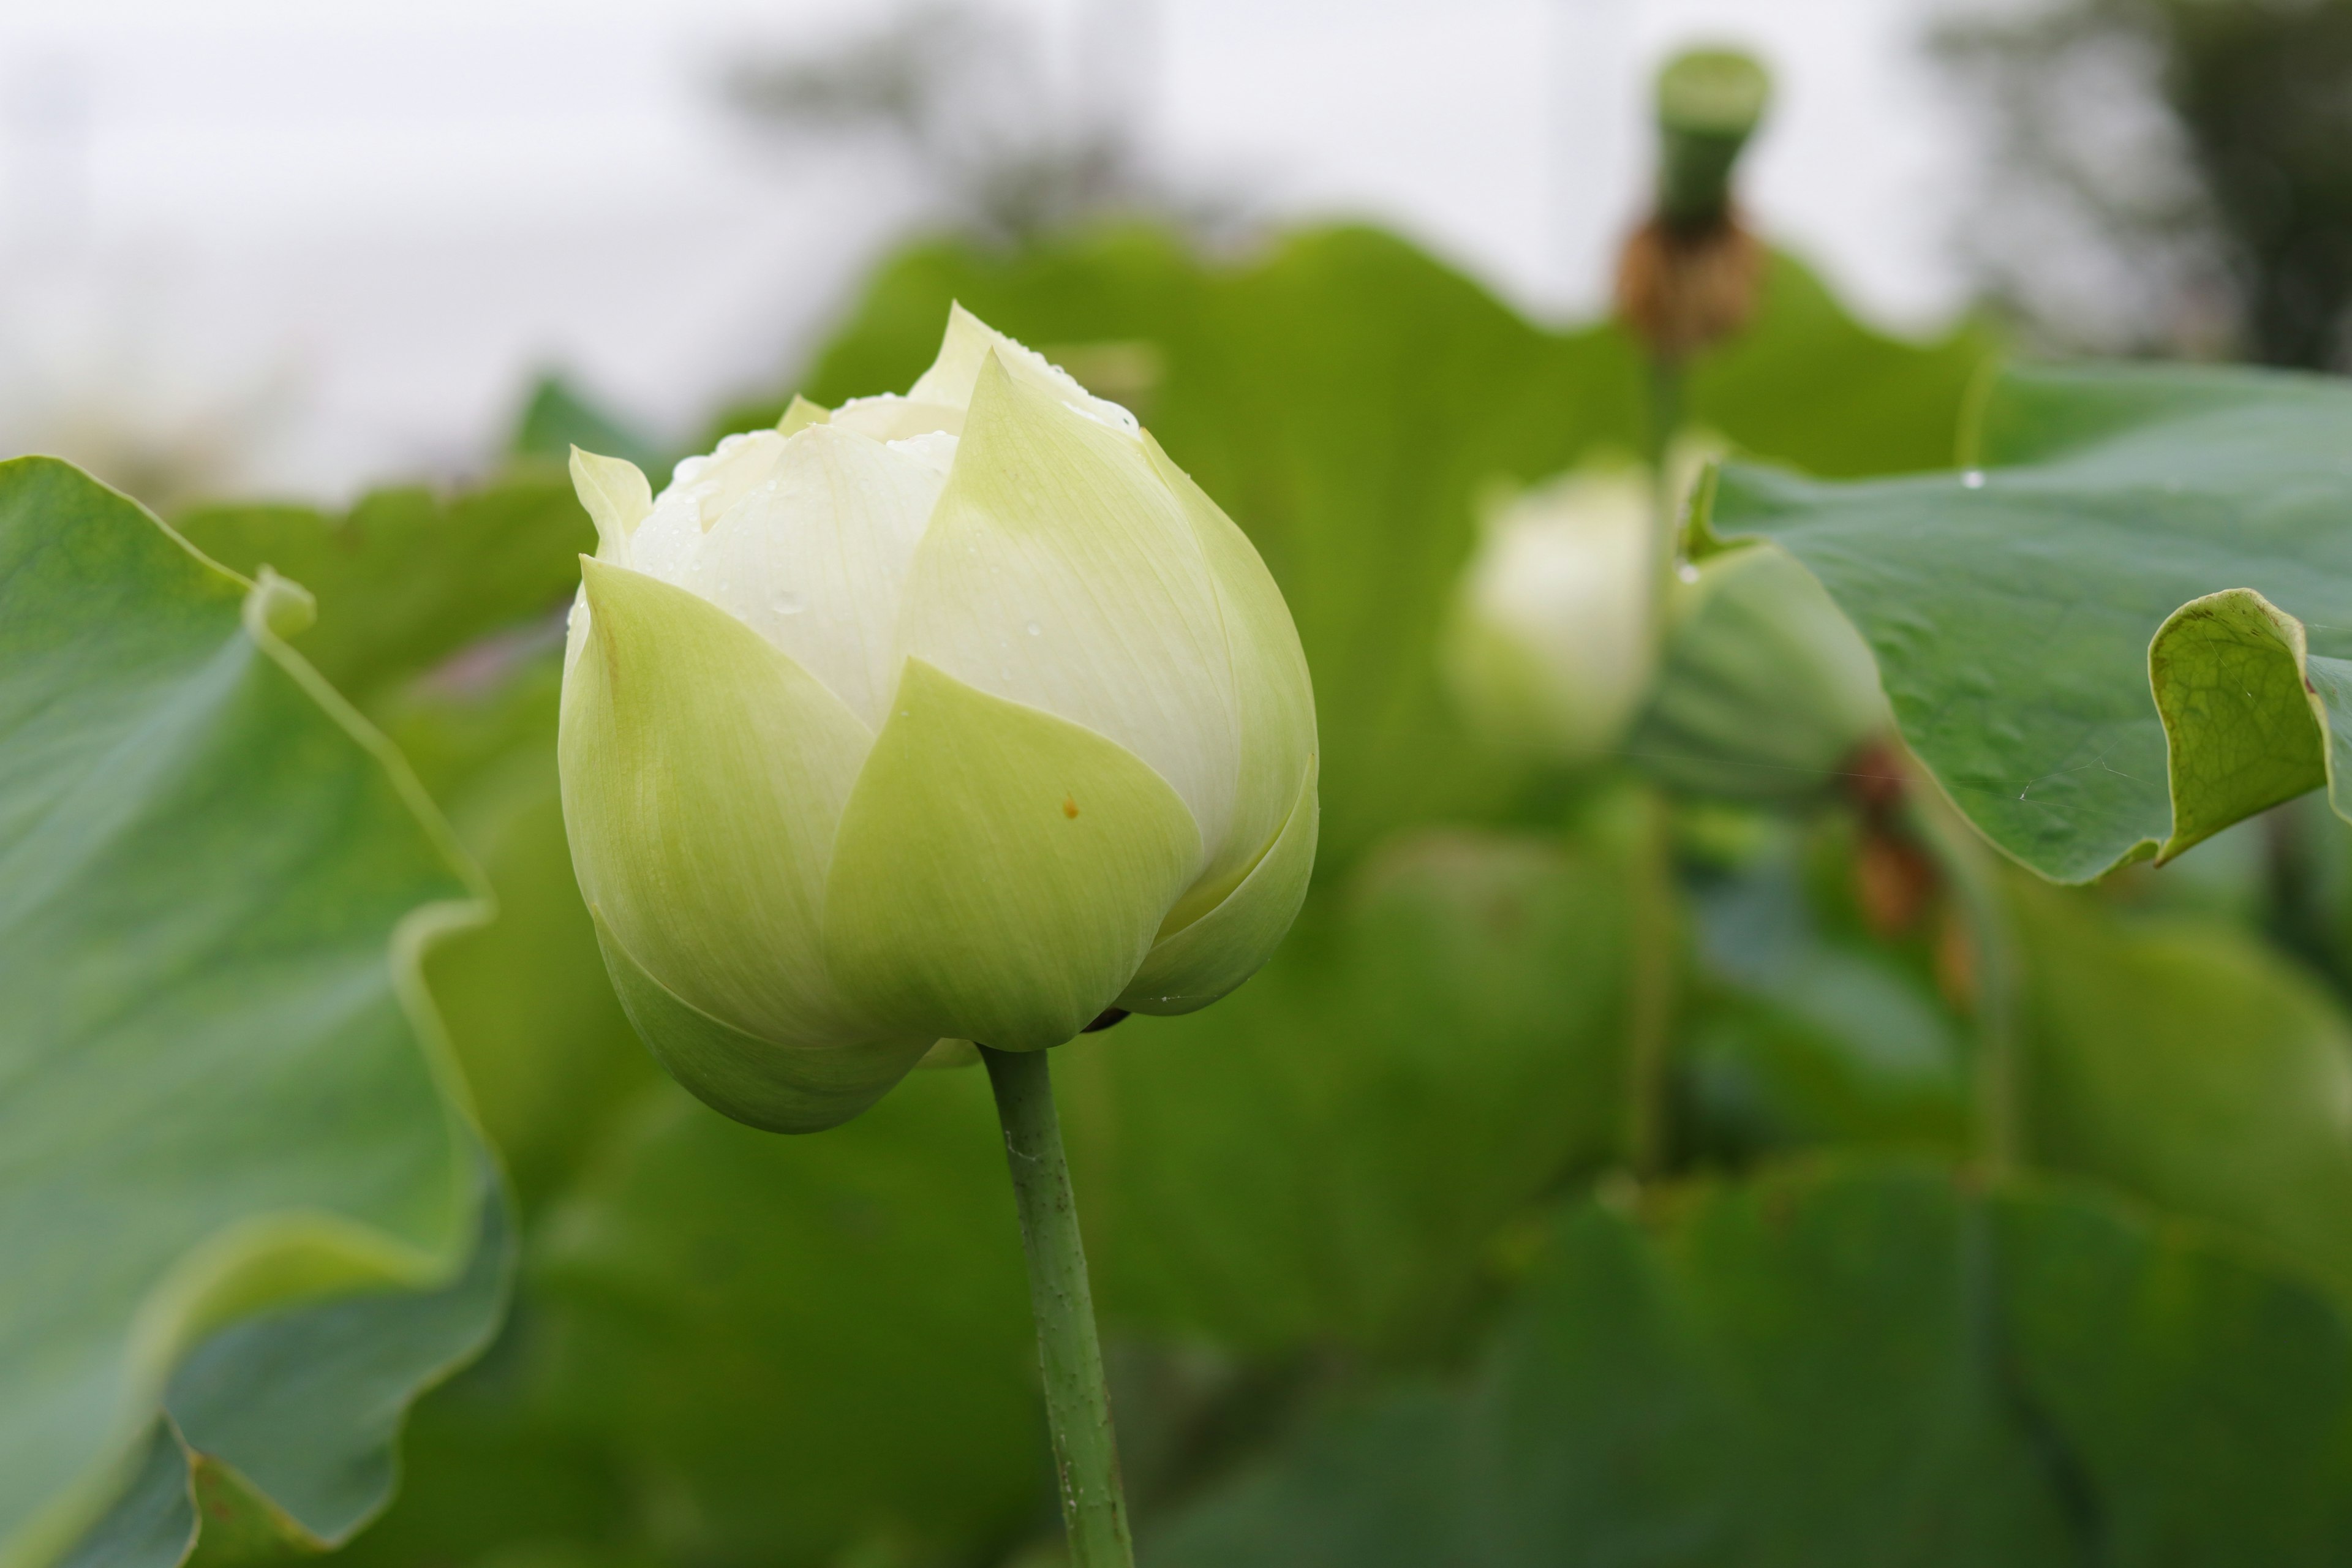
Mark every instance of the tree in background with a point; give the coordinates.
(969, 98)
(2171, 175)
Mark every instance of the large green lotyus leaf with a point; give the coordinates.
(2190, 1065)
(1840, 1367)
(797, 1344)
(407, 577)
(225, 1106)
(2126, 626)
(1328, 1155)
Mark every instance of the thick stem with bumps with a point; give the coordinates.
(1077, 1399)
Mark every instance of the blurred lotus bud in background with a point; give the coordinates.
(1764, 687)
(1551, 646)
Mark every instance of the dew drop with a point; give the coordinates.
(789, 605)
(1973, 479)
(1033, 629)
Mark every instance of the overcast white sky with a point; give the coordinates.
(351, 230)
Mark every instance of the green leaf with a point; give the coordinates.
(2244, 725)
(225, 1092)
(1846, 1364)
(559, 417)
(1328, 1155)
(2203, 1406)
(795, 1342)
(2012, 609)
(407, 578)
(1808, 384)
(153, 1524)
(1802, 1035)
(305, 1406)
(550, 1057)
(2191, 1066)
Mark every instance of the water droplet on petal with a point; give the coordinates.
(1033, 629)
(789, 605)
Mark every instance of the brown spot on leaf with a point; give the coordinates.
(1069, 808)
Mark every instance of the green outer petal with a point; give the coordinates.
(1273, 700)
(1195, 965)
(779, 1088)
(703, 774)
(618, 499)
(2243, 728)
(1059, 572)
(1000, 873)
(965, 349)
(801, 414)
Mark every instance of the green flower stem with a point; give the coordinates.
(1968, 865)
(1650, 994)
(1078, 1400)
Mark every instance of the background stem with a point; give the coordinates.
(1975, 883)
(1650, 994)
(1077, 1399)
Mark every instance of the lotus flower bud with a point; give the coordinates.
(958, 715)
(1766, 689)
(1551, 646)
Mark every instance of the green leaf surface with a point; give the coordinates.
(1843, 1365)
(2191, 1066)
(549, 1055)
(222, 1090)
(1328, 1155)
(791, 1343)
(305, 1406)
(777, 1348)
(2203, 1407)
(1345, 398)
(2012, 608)
(1808, 384)
(407, 577)
(1802, 1035)
(2245, 726)
(559, 417)
(152, 1523)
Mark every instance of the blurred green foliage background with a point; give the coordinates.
(1600, 1172)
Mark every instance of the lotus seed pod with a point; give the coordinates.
(1765, 690)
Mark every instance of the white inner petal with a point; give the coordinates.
(887, 416)
(809, 546)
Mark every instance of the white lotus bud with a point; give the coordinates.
(962, 715)
(1552, 642)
